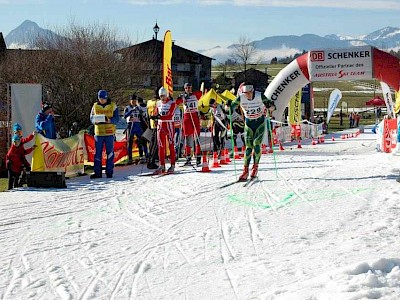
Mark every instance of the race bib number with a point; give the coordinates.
(254, 113)
(164, 108)
(134, 116)
(253, 108)
(191, 104)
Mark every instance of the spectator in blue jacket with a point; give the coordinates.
(45, 123)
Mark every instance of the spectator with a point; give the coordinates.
(18, 131)
(351, 120)
(74, 129)
(16, 161)
(104, 116)
(45, 123)
(341, 117)
(324, 127)
(357, 118)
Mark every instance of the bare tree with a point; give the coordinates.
(76, 63)
(244, 51)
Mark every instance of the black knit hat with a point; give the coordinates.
(133, 97)
(46, 106)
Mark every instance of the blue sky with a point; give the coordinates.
(202, 24)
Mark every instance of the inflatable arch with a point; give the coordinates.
(355, 63)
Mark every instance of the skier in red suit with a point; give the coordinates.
(164, 113)
(191, 124)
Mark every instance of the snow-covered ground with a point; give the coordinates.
(322, 222)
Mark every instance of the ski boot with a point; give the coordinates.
(188, 161)
(245, 174)
(198, 161)
(95, 176)
(160, 170)
(152, 166)
(171, 169)
(254, 171)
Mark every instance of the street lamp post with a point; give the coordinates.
(156, 29)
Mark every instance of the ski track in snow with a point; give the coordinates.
(309, 217)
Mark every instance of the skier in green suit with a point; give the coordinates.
(255, 107)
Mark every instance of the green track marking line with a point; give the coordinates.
(287, 200)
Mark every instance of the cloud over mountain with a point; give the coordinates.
(387, 38)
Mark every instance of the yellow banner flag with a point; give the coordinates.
(167, 63)
(397, 104)
(64, 155)
(295, 109)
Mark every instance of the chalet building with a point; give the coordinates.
(258, 78)
(187, 65)
(4, 124)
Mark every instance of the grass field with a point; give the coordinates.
(3, 184)
(355, 93)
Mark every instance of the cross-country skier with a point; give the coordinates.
(218, 126)
(134, 118)
(253, 104)
(191, 124)
(164, 113)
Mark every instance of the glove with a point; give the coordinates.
(156, 117)
(229, 103)
(9, 165)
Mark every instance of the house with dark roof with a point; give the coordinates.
(187, 65)
(257, 77)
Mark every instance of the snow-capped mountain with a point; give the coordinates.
(25, 34)
(387, 38)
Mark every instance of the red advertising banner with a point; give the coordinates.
(120, 150)
(389, 135)
(296, 131)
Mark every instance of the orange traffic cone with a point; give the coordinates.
(204, 165)
(243, 151)
(223, 161)
(281, 147)
(215, 163)
(271, 148)
(313, 142)
(236, 153)
(227, 158)
(299, 144)
(264, 149)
